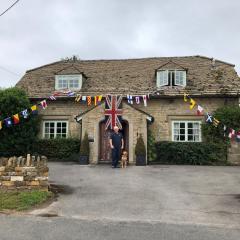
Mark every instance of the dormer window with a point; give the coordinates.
(73, 82)
(171, 78)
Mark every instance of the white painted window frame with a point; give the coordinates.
(68, 78)
(186, 129)
(164, 80)
(55, 127)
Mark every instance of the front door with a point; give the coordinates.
(105, 153)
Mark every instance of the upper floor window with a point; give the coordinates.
(68, 81)
(171, 78)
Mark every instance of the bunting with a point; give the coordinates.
(130, 99)
(16, 119)
(232, 133)
(199, 110)
(192, 103)
(89, 100)
(43, 104)
(145, 100)
(115, 117)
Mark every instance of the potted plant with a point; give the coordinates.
(140, 152)
(84, 151)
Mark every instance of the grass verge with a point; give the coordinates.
(22, 200)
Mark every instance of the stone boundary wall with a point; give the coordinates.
(19, 173)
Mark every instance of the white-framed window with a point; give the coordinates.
(68, 81)
(171, 78)
(186, 131)
(55, 129)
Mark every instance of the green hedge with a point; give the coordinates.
(191, 153)
(58, 149)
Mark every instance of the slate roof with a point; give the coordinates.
(205, 76)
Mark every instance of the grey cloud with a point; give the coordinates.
(37, 32)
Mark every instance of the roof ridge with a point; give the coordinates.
(126, 59)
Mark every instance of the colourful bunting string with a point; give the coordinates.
(15, 119)
(232, 134)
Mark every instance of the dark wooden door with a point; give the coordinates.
(105, 153)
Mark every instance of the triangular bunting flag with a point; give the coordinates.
(137, 99)
(185, 97)
(130, 99)
(24, 113)
(8, 122)
(78, 98)
(52, 97)
(89, 100)
(99, 99)
(231, 133)
(43, 104)
(209, 118)
(199, 110)
(145, 100)
(224, 130)
(16, 119)
(215, 122)
(70, 93)
(192, 103)
(34, 109)
(0, 125)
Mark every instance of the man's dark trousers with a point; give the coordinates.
(116, 153)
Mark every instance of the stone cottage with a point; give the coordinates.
(212, 83)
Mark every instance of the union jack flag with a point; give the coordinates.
(113, 111)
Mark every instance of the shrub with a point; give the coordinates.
(17, 139)
(59, 149)
(84, 151)
(191, 153)
(140, 149)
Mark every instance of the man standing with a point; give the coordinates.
(116, 143)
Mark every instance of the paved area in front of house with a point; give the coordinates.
(201, 195)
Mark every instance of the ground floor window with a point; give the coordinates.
(186, 131)
(55, 129)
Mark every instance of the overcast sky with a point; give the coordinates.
(37, 32)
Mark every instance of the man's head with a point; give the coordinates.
(116, 129)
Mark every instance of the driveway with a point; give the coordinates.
(168, 194)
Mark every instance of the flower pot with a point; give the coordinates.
(84, 160)
(141, 160)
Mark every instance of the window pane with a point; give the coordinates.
(182, 131)
(182, 125)
(182, 137)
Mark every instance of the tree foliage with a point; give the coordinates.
(17, 139)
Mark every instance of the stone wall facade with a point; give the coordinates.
(163, 110)
(19, 173)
